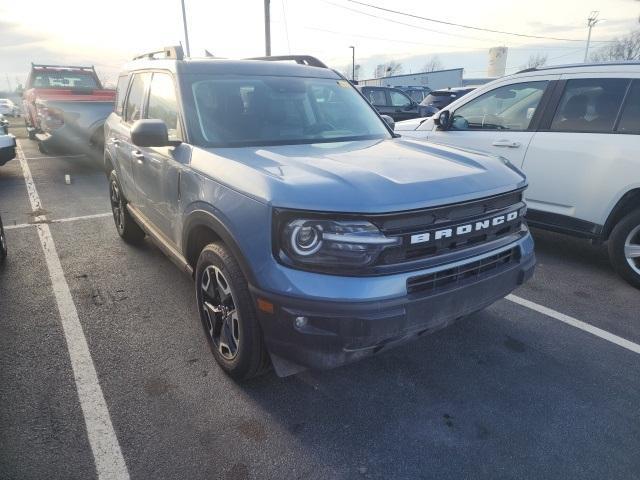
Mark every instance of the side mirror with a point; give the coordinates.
(390, 121)
(442, 119)
(150, 133)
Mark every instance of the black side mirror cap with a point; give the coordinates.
(150, 133)
(390, 121)
(442, 119)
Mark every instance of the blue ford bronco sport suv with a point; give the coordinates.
(315, 235)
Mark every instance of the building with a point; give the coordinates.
(434, 80)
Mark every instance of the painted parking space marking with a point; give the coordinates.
(107, 454)
(59, 220)
(574, 322)
(55, 156)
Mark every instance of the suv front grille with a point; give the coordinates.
(469, 272)
(419, 229)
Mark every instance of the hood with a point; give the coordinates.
(406, 125)
(361, 177)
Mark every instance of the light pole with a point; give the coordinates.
(353, 63)
(186, 33)
(591, 21)
(267, 28)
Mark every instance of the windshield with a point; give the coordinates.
(263, 110)
(64, 80)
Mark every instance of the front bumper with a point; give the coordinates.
(334, 333)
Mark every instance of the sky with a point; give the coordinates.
(108, 34)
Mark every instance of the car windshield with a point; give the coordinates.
(266, 110)
(64, 80)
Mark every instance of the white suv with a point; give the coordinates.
(575, 131)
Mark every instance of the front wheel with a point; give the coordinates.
(227, 314)
(624, 248)
(3, 243)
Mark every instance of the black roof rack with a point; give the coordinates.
(62, 67)
(299, 59)
(174, 53)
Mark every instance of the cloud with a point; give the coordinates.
(14, 36)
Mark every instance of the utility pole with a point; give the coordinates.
(591, 21)
(267, 28)
(186, 32)
(353, 63)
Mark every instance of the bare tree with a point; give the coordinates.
(388, 69)
(432, 64)
(535, 61)
(623, 48)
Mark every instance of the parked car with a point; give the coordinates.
(315, 236)
(3, 243)
(415, 93)
(7, 147)
(391, 101)
(438, 99)
(4, 125)
(575, 131)
(8, 108)
(65, 107)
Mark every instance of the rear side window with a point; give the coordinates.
(630, 119)
(376, 97)
(590, 105)
(121, 93)
(135, 99)
(163, 104)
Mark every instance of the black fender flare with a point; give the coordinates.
(199, 217)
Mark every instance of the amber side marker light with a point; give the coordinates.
(265, 306)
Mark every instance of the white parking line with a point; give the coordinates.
(574, 322)
(59, 220)
(106, 450)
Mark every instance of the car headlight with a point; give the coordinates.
(323, 244)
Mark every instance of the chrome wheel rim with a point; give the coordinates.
(220, 313)
(632, 249)
(117, 206)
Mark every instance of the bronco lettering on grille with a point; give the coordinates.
(465, 228)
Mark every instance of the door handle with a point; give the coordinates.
(138, 155)
(114, 141)
(506, 143)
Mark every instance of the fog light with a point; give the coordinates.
(301, 321)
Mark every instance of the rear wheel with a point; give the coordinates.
(127, 227)
(227, 314)
(624, 248)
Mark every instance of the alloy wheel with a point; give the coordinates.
(220, 312)
(116, 206)
(632, 249)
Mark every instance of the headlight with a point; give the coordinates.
(331, 244)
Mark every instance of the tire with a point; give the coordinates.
(624, 237)
(126, 226)
(228, 316)
(3, 244)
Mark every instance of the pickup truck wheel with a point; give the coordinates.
(3, 244)
(624, 248)
(127, 227)
(227, 314)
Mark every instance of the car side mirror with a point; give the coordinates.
(443, 120)
(390, 121)
(150, 133)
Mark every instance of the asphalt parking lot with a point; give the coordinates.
(511, 392)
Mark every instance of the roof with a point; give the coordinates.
(632, 63)
(231, 67)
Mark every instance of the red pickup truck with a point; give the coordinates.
(65, 107)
